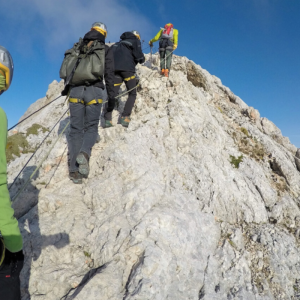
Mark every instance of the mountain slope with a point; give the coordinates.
(197, 199)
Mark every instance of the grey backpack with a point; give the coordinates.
(165, 35)
(84, 63)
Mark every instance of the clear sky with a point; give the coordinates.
(251, 45)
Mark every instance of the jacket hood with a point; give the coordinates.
(128, 35)
(94, 35)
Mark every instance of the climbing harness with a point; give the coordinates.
(75, 100)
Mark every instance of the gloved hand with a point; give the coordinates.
(174, 47)
(2, 82)
(150, 43)
(110, 105)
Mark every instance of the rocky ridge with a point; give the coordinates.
(197, 199)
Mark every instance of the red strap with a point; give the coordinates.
(168, 28)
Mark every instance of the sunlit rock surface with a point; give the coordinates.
(197, 199)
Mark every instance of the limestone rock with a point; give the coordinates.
(197, 199)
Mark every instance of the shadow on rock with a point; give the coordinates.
(27, 213)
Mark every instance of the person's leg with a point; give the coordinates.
(93, 98)
(162, 59)
(130, 82)
(108, 115)
(77, 119)
(169, 55)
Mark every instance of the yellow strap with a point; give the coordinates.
(116, 84)
(2, 255)
(75, 100)
(129, 78)
(6, 72)
(94, 102)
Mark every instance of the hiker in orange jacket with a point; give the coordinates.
(168, 42)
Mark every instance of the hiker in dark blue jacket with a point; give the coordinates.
(127, 54)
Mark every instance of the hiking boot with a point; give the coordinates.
(76, 177)
(166, 73)
(162, 72)
(83, 161)
(125, 121)
(108, 124)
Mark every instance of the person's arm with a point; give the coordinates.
(157, 37)
(175, 38)
(109, 76)
(137, 53)
(8, 223)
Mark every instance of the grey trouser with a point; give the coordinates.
(165, 63)
(84, 120)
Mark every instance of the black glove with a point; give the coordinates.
(110, 105)
(65, 91)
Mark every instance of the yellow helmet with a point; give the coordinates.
(101, 27)
(6, 67)
(136, 33)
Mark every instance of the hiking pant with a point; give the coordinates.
(9, 276)
(130, 81)
(165, 63)
(85, 107)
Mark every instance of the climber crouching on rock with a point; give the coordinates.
(83, 69)
(11, 243)
(168, 42)
(127, 54)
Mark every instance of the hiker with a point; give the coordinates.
(168, 41)
(84, 76)
(127, 54)
(11, 243)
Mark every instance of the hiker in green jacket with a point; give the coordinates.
(11, 243)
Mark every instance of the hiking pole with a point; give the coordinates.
(151, 46)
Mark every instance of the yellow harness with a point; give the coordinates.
(125, 79)
(75, 100)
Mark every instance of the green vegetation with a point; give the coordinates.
(220, 109)
(236, 161)
(245, 131)
(14, 143)
(35, 128)
(86, 254)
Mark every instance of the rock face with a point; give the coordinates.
(197, 199)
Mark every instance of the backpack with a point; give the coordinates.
(84, 63)
(167, 32)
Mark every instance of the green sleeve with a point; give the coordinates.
(175, 38)
(8, 223)
(157, 37)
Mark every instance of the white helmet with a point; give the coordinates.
(101, 27)
(136, 33)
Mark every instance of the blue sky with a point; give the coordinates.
(251, 45)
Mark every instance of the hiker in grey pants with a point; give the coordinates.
(86, 96)
(84, 115)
